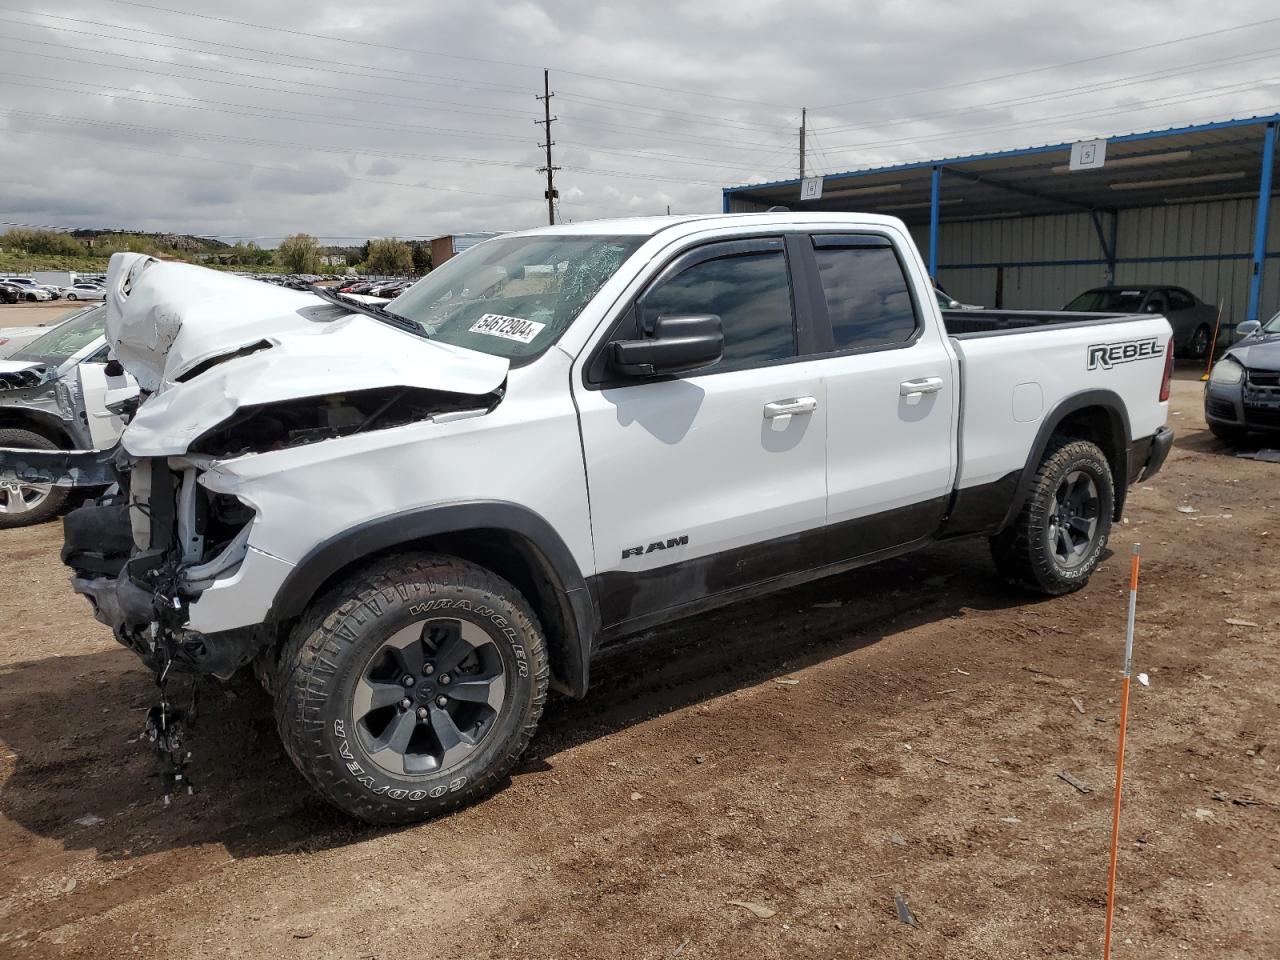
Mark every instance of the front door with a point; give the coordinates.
(704, 483)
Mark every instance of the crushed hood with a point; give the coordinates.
(206, 344)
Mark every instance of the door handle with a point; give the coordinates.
(914, 388)
(785, 408)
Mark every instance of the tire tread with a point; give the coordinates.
(320, 639)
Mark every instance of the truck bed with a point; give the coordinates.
(1009, 384)
(966, 324)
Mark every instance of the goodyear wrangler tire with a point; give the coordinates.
(412, 689)
(1056, 541)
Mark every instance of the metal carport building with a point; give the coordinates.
(1019, 229)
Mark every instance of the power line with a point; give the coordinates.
(397, 76)
(293, 116)
(494, 111)
(259, 113)
(1166, 73)
(1205, 94)
(293, 170)
(1026, 73)
(442, 53)
(258, 142)
(629, 107)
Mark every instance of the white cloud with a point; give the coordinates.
(236, 130)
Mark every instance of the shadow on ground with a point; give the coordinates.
(74, 723)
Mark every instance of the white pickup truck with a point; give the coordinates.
(413, 521)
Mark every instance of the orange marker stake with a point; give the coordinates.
(1124, 722)
(1208, 361)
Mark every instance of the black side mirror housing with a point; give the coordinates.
(677, 345)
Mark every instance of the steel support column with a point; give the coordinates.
(936, 188)
(1260, 223)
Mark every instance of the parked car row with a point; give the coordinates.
(25, 289)
(384, 289)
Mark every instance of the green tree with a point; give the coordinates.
(42, 241)
(390, 256)
(299, 253)
(421, 256)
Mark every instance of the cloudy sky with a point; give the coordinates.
(245, 119)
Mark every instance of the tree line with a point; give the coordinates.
(387, 256)
(298, 253)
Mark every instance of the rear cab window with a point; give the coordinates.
(866, 292)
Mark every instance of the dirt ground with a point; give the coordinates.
(44, 313)
(896, 729)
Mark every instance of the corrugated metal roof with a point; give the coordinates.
(1176, 165)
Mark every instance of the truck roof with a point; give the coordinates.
(648, 226)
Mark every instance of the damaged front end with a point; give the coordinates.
(172, 557)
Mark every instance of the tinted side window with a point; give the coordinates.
(750, 293)
(867, 297)
(1180, 301)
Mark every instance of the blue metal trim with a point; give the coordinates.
(1260, 222)
(934, 196)
(724, 200)
(1270, 119)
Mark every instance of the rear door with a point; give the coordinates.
(892, 393)
(708, 481)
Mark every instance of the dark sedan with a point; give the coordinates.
(1243, 392)
(1191, 318)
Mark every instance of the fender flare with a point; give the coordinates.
(549, 554)
(1111, 403)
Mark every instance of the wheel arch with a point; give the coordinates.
(510, 540)
(42, 422)
(1098, 416)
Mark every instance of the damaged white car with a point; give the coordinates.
(54, 395)
(412, 521)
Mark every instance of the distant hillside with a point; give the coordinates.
(121, 239)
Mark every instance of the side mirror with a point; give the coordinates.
(678, 344)
(1248, 328)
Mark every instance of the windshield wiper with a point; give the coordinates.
(369, 309)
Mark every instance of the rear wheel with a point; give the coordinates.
(23, 504)
(412, 689)
(1057, 539)
(1199, 345)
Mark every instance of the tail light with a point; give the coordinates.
(1168, 372)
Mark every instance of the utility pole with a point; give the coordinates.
(549, 170)
(804, 113)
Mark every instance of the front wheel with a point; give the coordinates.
(71, 296)
(25, 504)
(1056, 541)
(412, 689)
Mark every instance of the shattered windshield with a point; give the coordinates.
(513, 296)
(66, 339)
